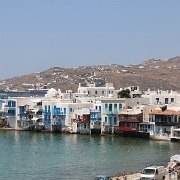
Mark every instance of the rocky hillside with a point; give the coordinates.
(155, 74)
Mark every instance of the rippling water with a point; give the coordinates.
(29, 155)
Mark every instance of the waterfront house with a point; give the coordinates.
(110, 108)
(129, 120)
(167, 122)
(12, 110)
(95, 118)
(30, 115)
(81, 121)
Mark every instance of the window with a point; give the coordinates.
(110, 107)
(120, 107)
(106, 107)
(48, 108)
(169, 119)
(103, 92)
(105, 119)
(65, 111)
(110, 120)
(115, 108)
(172, 100)
(95, 92)
(157, 100)
(166, 100)
(70, 109)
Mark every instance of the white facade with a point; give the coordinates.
(92, 90)
(162, 97)
(109, 114)
(12, 110)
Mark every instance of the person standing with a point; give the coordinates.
(125, 176)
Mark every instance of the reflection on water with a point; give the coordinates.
(72, 156)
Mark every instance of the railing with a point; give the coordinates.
(7, 106)
(128, 129)
(167, 123)
(111, 112)
(47, 120)
(58, 113)
(95, 119)
(9, 114)
(46, 112)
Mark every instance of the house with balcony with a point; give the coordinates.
(129, 120)
(30, 115)
(95, 119)
(110, 108)
(58, 114)
(81, 121)
(167, 122)
(12, 112)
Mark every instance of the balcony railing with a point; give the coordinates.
(95, 119)
(46, 112)
(167, 123)
(128, 129)
(111, 112)
(9, 114)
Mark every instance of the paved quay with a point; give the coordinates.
(136, 176)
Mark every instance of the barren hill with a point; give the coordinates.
(155, 74)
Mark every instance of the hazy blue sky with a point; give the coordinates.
(38, 34)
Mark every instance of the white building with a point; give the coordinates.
(92, 90)
(162, 97)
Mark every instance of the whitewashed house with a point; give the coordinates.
(110, 107)
(12, 109)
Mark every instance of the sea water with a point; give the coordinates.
(33, 155)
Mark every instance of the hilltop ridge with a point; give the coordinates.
(154, 73)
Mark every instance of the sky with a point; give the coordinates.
(36, 35)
